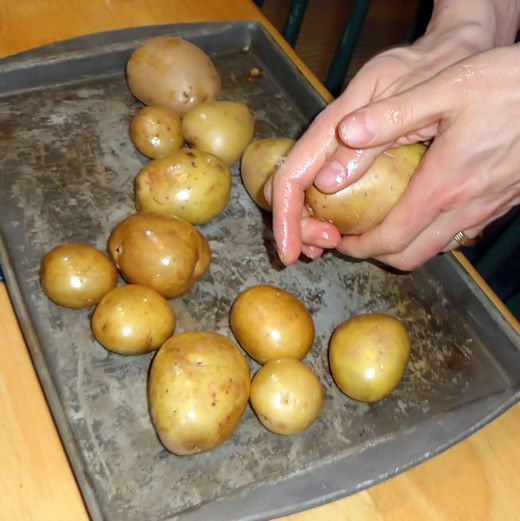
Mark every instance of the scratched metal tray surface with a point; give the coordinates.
(66, 174)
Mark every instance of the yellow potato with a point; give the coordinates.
(261, 159)
(172, 72)
(199, 386)
(223, 128)
(368, 355)
(365, 203)
(286, 396)
(161, 251)
(76, 275)
(133, 320)
(270, 323)
(191, 184)
(156, 131)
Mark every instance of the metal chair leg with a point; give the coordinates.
(345, 50)
(294, 20)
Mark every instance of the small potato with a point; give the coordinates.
(156, 131)
(172, 72)
(270, 323)
(286, 396)
(364, 204)
(224, 128)
(191, 184)
(261, 159)
(77, 275)
(199, 385)
(133, 320)
(368, 355)
(161, 251)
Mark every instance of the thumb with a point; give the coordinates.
(411, 113)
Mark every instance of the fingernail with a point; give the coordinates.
(357, 130)
(330, 176)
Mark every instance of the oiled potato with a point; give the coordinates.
(286, 396)
(172, 72)
(76, 275)
(156, 131)
(261, 159)
(368, 355)
(223, 128)
(365, 203)
(270, 323)
(161, 251)
(191, 184)
(133, 320)
(198, 389)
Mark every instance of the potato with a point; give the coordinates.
(223, 128)
(286, 396)
(368, 355)
(365, 203)
(190, 184)
(270, 323)
(133, 320)
(76, 275)
(199, 386)
(156, 131)
(161, 251)
(172, 72)
(261, 159)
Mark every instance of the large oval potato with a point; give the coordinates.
(286, 396)
(191, 184)
(161, 251)
(368, 355)
(76, 275)
(365, 203)
(172, 72)
(260, 160)
(132, 320)
(223, 128)
(270, 323)
(199, 385)
(156, 131)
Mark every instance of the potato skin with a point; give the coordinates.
(161, 251)
(259, 162)
(132, 320)
(224, 128)
(191, 184)
(76, 275)
(368, 355)
(286, 396)
(270, 323)
(156, 131)
(198, 389)
(172, 72)
(364, 204)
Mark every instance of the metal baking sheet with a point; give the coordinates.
(66, 174)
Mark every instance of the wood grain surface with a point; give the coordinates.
(475, 480)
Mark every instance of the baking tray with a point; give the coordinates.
(66, 174)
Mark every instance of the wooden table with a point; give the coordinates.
(478, 479)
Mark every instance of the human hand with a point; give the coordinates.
(470, 174)
(321, 156)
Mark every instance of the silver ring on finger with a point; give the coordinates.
(464, 240)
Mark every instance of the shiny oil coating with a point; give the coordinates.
(76, 275)
(161, 251)
(192, 184)
(133, 319)
(271, 323)
(199, 386)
